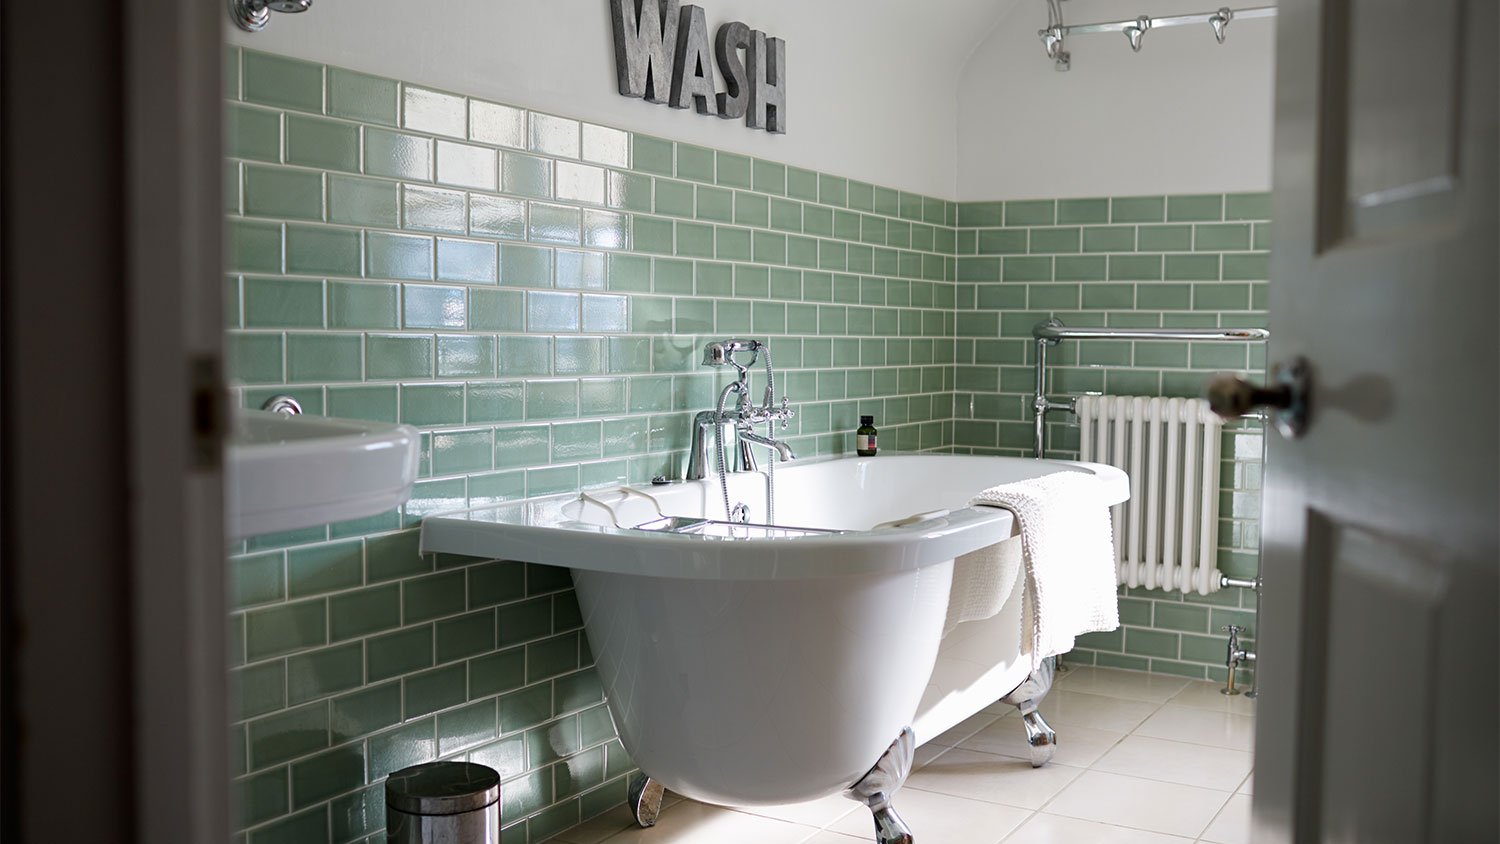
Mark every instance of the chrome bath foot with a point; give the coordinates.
(1039, 735)
(876, 788)
(645, 800)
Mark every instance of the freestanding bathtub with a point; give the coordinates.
(773, 666)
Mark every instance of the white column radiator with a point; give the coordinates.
(1167, 534)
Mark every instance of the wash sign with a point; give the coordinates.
(662, 54)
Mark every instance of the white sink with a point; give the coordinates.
(289, 472)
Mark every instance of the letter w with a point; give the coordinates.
(645, 35)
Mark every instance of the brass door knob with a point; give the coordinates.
(1285, 397)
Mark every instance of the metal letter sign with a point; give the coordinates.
(662, 54)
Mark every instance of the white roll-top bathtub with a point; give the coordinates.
(746, 671)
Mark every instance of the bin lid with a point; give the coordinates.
(442, 788)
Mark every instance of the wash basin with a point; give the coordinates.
(295, 471)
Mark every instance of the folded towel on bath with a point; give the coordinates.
(982, 582)
(1067, 546)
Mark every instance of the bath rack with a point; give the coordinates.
(1052, 332)
(1054, 37)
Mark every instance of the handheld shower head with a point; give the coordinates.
(253, 15)
(721, 352)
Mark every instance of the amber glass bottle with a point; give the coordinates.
(864, 438)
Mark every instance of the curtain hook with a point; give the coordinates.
(1135, 31)
(1219, 21)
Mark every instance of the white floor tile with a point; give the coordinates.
(1116, 682)
(1089, 710)
(1248, 786)
(1139, 804)
(828, 837)
(1201, 726)
(689, 822)
(814, 813)
(1205, 695)
(1043, 828)
(1232, 826)
(1174, 761)
(941, 818)
(1076, 746)
(995, 779)
(597, 829)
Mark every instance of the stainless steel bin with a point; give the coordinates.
(443, 803)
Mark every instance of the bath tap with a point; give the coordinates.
(782, 450)
(743, 416)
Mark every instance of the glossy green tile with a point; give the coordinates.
(1039, 212)
(465, 356)
(1192, 267)
(363, 202)
(1253, 267)
(376, 404)
(732, 170)
(1195, 208)
(319, 250)
(434, 112)
(1138, 209)
(651, 155)
(1247, 206)
(432, 209)
(1055, 240)
(398, 356)
(326, 144)
(324, 357)
(1082, 211)
(432, 404)
(328, 774)
(499, 125)
(285, 628)
(1222, 237)
(408, 745)
(653, 234)
(525, 175)
(252, 133)
(548, 312)
(319, 673)
(1002, 241)
(525, 266)
(282, 303)
(674, 198)
(280, 81)
(254, 246)
(751, 209)
(395, 654)
(1221, 297)
(525, 355)
(357, 96)
(1135, 267)
(397, 155)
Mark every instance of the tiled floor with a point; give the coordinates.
(1141, 759)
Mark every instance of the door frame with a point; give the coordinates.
(111, 406)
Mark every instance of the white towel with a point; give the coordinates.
(982, 582)
(1067, 545)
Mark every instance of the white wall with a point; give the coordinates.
(1184, 115)
(871, 81)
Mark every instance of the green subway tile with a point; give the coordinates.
(255, 579)
(362, 202)
(716, 204)
(375, 404)
(1195, 208)
(630, 191)
(1128, 382)
(580, 270)
(1079, 268)
(1002, 241)
(575, 691)
(364, 611)
(576, 182)
(279, 192)
(356, 814)
(252, 133)
(525, 175)
(323, 672)
(861, 196)
(802, 184)
(258, 689)
(525, 356)
(496, 310)
(1214, 356)
(434, 112)
(817, 220)
(440, 688)
(1135, 267)
(357, 96)
(769, 247)
(1053, 297)
(1036, 212)
(432, 209)
(651, 155)
(467, 726)
(326, 144)
(280, 303)
(465, 636)
(833, 190)
(466, 260)
(324, 357)
(695, 240)
(579, 355)
(398, 356)
(254, 246)
(1109, 239)
(555, 224)
(1108, 296)
(576, 441)
(674, 198)
(324, 568)
(524, 446)
(1082, 211)
(552, 480)
(1163, 297)
(973, 214)
(328, 774)
(652, 234)
(525, 266)
(495, 402)
(408, 745)
(557, 136)
(1190, 619)
(316, 250)
(1055, 240)
(1152, 643)
(288, 734)
(526, 708)
(1221, 297)
(1247, 206)
(285, 628)
(1222, 237)
(1254, 267)
(1192, 267)
(397, 155)
(769, 177)
(1166, 238)
(548, 312)
(395, 555)
(398, 653)
(1262, 238)
(497, 216)
(1027, 269)
(259, 798)
(751, 209)
(911, 206)
(732, 170)
(455, 452)
(1138, 209)
(280, 81)
(551, 657)
(432, 404)
(695, 163)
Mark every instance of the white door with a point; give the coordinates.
(1378, 640)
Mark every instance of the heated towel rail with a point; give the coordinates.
(1052, 332)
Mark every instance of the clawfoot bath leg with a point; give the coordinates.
(876, 788)
(645, 800)
(1039, 734)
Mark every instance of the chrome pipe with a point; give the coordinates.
(1226, 581)
(1197, 19)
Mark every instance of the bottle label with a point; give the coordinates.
(864, 442)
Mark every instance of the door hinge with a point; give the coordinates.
(208, 412)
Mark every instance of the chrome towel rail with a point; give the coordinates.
(1054, 37)
(1052, 332)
